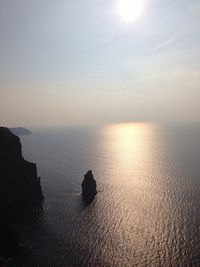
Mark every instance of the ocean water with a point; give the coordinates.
(146, 212)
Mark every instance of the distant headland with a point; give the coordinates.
(20, 131)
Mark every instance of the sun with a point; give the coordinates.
(130, 10)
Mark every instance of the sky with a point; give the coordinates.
(78, 62)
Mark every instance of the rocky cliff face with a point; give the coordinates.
(89, 186)
(20, 190)
(9, 243)
(20, 187)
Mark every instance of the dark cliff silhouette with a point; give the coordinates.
(89, 187)
(9, 243)
(20, 131)
(20, 189)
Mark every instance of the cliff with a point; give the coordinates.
(20, 190)
(9, 243)
(20, 187)
(89, 187)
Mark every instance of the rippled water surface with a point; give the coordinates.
(147, 211)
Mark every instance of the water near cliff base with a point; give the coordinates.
(146, 212)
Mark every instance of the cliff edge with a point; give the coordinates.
(20, 187)
(20, 190)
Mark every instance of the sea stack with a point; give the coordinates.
(20, 187)
(89, 187)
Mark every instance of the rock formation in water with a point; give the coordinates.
(89, 188)
(20, 189)
(20, 131)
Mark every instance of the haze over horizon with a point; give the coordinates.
(77, 62)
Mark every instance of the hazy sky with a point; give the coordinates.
(78, 62)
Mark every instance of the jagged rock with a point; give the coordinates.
(20, 187)
(89, 186)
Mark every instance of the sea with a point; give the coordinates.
(146, 212)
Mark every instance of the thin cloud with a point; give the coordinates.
(168, 42)
(159, 46)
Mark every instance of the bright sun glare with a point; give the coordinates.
(130, 10)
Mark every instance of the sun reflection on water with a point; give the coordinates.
(131, 189)
(129, 141)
